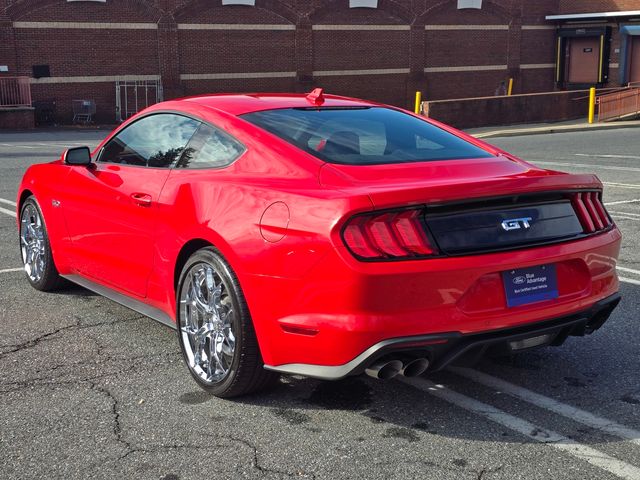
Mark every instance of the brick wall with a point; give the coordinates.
(591, 6)
(17, 118)
(214, 51)
(195, 87)
(79, 52)
(533, 108)
(343, 50)
(385, 54)
(62, 11)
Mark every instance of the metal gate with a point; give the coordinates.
(135, 95)
(624, 103)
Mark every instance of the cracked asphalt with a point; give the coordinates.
(90, 389)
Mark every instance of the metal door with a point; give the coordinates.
(111, 213)
(584, 60)
(634, 60)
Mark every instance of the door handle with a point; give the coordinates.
(141, 199)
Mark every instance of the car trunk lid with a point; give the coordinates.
(481, 205)
(393, 185)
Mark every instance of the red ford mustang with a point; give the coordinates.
(322, 236)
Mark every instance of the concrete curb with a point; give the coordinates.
(516, 132)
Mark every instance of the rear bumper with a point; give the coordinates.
(443, 349)
(343, 307)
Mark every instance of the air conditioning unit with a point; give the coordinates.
(469, 4)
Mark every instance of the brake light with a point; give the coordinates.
(394, 235)
(602, 212)
(591, 212)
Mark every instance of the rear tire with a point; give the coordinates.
(215, 330)
(35, 248)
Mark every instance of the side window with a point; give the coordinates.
(210, 148)
(153, 141)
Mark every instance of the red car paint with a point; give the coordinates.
(276, 215)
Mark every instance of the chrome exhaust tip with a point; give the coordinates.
(415, 367)
(384, 370)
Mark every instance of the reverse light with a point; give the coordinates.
(387, 236)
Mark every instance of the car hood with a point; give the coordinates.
(441, 181)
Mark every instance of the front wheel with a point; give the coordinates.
(36, 248)
(215, 330)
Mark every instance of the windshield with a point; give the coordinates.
(363, 136)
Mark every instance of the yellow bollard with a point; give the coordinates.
(592, 104)
(418, 105)
(510, 89)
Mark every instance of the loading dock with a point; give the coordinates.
(583, 57)
(630, 54)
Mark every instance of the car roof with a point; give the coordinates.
(239, 104)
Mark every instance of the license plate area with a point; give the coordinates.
(523, 286)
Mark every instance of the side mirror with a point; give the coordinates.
(77, 156)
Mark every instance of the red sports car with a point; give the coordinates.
(322, 236)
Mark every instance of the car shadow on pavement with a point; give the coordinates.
(405, 412)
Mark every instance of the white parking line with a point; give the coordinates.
(70, 144)
(47, 144)
(587, 165)
(8, 202)
(629, 280)
(622, 185)
(634, 157)
(626, 217)
(628, 270)
(625, 213)
(572, 413)
(14, 146)
(7, 212)
(8, 270)
(616, 467)
(635, 200)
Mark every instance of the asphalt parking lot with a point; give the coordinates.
(90, 389)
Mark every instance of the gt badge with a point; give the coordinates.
(516, 224)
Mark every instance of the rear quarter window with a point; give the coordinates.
(210, 147)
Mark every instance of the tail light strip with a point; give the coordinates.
(394, 235)
(401, 235)
(591, 212)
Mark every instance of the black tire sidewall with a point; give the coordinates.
(211, 256)
(50, 276)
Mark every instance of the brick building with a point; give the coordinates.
(597, 43)
(379, 49)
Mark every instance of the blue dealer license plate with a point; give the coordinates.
(530, 285)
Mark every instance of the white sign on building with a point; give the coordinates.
(469, 4)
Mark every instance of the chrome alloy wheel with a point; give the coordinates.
(206, 323)
(32, 242)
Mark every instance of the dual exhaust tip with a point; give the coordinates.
(388, 369)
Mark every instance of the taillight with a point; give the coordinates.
(391, 235)
(591, 212)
